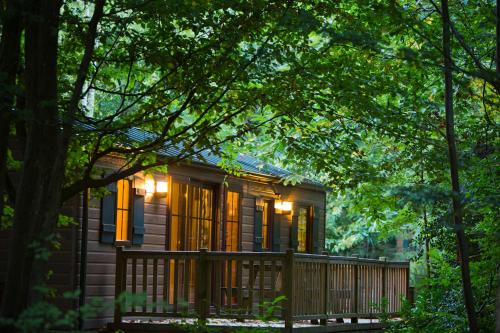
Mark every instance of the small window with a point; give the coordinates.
(123, 211)
(267, 219)
(303, 242)
(232, 221)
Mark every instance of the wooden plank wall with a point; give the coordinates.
(101, 257)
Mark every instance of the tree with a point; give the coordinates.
(452, 155)
(189, 76)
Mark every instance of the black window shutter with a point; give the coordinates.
(138, 217)
(257, 229)
(276, 233)
(315, 230)
(294, 231)
(108, 213)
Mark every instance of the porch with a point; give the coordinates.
(243, 285)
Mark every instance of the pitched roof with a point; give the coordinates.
(248, 163)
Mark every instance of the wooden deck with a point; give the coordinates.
(275, 327)
(234, 285)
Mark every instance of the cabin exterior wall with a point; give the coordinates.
(100, 275)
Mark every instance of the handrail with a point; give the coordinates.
(232, 284)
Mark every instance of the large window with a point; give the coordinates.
(123, 211)
(267, 221)
(232, 221)
(303, 230)
(192, 210)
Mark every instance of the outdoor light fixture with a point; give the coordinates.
(149, 185)
(155, 187)
(282, 207)
(161, 187)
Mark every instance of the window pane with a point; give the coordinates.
(125, 203)
(302, 229)
(232, 221)
(175, 199)
(122, 209)
(265, 226)
(174, 233)
(125, 225)
(191, 217)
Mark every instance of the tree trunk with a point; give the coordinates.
(497, 330)
(38, 197)
(452, 156)
(427, 245)
(497, 55)
(9, 62)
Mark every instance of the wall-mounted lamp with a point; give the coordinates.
(282, 207)
(155, 187)
(149, 185)
(161, 187)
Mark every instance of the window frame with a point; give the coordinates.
(270, 224)
(130, 220)
(309, 226)
(188, 181)
(223, 244)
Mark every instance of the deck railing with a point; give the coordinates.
(237, 284)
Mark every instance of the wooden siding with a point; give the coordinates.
(101, 257)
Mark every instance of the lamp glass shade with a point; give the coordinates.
(161, 187)
(286, 206)
(281, 207)
(149, 185)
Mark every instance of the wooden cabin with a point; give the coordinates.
(198, 241)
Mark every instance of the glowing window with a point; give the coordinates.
(232, 221)
(302, 229)
(267, 220)
(122, 209)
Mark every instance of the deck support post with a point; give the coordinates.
(201, 285)
(289, 271)
(356, 292)
(119, 282)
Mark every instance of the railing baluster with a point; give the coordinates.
(261, 285)
(155, 284)
(251, 279)
(145, 282)
(134, 280)
(176, 285)
(218, 285)
(239, 282)
(273, 279)
(229, 287)
(166, 284)
(186, 284)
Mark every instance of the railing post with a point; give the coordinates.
(118, 284)
(408, 296)
(384, 279)
(324, 321)
(289, 290)
(356, 292)
(201, 285)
